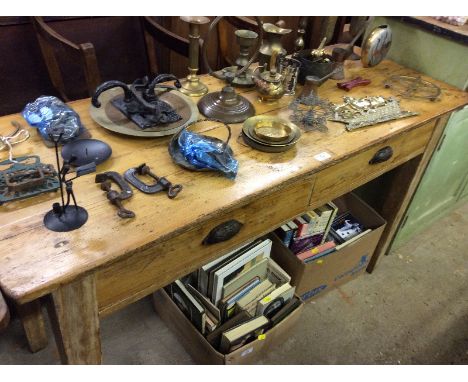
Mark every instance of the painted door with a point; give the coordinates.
(445, 182)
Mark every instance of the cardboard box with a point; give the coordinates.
(202, 352)
(324, 274)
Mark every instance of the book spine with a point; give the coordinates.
(316, 250)
(330, 221)
(319, 255)
(304, 244)
(285, 233)
(300, 228)
(293, 227)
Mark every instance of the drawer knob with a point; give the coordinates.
(223, 232)
(384, 154)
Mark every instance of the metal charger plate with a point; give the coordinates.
(267, 130)
(112, 119)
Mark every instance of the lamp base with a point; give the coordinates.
(226, 105)
(70, 219)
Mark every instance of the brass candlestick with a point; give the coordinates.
(246, 39)
(299, 42)
(192, 86)
(226, 105)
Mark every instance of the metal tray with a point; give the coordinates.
(112, 119)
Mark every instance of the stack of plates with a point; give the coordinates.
(270, 134)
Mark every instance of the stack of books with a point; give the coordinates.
(308, 230)
(237, 297)
(320, 232)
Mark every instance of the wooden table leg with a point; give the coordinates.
(398, 197)
(32, 320)
(4, 313)
(73, 312)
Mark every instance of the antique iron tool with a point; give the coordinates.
(192, 86)
(24, 179)
(140, 102)
(64, 217)
(115, 197)
(413, 87)
(226, 105)
(161, 183)
(339, 56)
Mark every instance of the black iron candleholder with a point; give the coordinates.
(65, 217)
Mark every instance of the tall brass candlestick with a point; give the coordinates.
(192, 86)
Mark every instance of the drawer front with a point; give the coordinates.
(358, 169)
(150, 269)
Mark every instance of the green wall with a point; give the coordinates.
(426, 52)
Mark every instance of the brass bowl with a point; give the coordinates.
(267, 148)
(270, 130)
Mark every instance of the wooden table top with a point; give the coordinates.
(35, 261)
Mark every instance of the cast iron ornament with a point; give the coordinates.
(140, 103)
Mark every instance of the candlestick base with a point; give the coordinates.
(71, 218)
(193, 87)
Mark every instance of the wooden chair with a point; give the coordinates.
(225, 39)
(158, 37)
(4, 313)
(53, 44)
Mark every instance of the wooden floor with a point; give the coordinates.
(412, 310)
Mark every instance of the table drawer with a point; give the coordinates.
(357, 170)
(152, 268)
